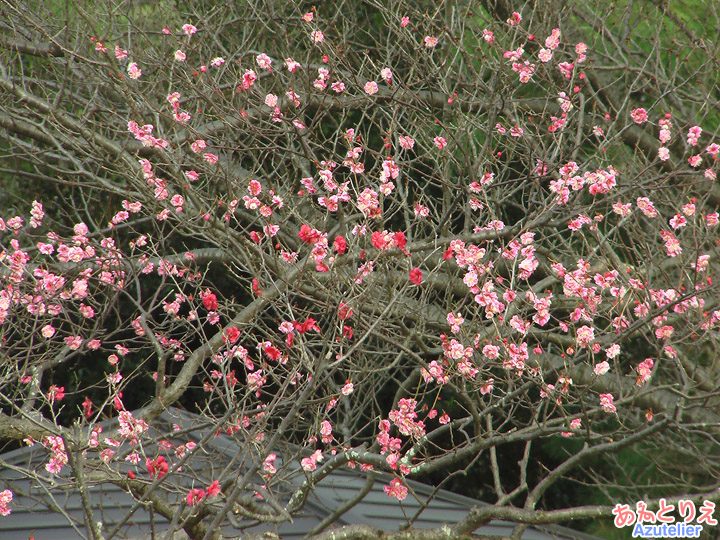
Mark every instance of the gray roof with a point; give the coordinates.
(48, 508)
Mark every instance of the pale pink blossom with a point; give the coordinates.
(47, 331)
(601, 368)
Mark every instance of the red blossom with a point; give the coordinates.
(416, 276)
(309, 235)
(56, 393)
(344, 311)
(210, 301)
(273, 353)
(87, 407)
(195, 496)
(232, 334)
(157, 467)
(307, 325)
(340, 245)
(256, 287)
(213, 489)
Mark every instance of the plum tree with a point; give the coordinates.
(407, 237)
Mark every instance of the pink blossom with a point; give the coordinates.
(585, 334)
(406, 142)
(545, 55)
(644, 370)
(6, 498)
(264, 61)
(396, 489)
(566, 69)
(440, 142)
(606, 402)
(180, 56)
(292, 65)
(514, 19)
(553, 40)
(198, 146)
(693, 135)
(678, 221)
(310, 463)
(73, 342)
(317, 36)
(420, 210)
(371, 88)
(37, 214)
(248, 79)
(189, 29)
(133, 71)
(268, 464)
(525, 70)
(646, 207)
(271, 100)
(639, 116)
(430, 42)
(326, 431)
